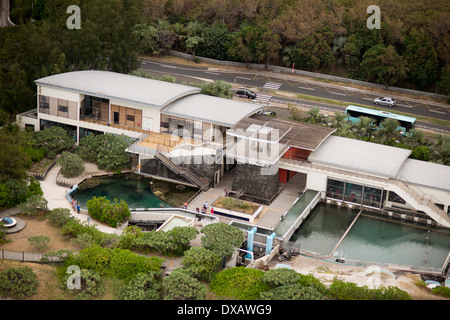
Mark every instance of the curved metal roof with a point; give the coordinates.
(220, 111)
(426, 174)
(118, 86)
(361, 156)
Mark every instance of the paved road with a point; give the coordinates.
(294, 84)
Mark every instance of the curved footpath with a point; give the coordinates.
(56, 197)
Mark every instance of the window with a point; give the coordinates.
(44, 104)
(63, 109)
(130, 118)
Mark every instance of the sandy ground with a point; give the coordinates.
(327, 272)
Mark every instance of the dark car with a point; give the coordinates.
(245, 93)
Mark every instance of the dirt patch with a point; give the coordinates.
(327, 272)
(37, 227)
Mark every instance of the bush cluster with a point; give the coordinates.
(18, 283)
(103, 210)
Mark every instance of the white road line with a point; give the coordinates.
(215, 73)
(403, 105)
(341, 94)
(306, 88)
(242, 78)
(441, 112)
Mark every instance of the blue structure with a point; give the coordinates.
(269, 243)
(250, 237)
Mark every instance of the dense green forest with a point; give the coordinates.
(411, 49)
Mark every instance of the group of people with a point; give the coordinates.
(204, 209)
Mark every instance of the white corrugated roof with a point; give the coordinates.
(425, 174)
(112, 85)
(360, 156)
(220, 111)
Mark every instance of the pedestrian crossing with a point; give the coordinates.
(272, 85)
(263, 97)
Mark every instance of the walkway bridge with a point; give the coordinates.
(291, 219)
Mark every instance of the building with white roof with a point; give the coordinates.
(175, 122)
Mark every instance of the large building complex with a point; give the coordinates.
(184, 134)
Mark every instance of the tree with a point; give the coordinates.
(147, 37)
(254, 44)
(315, 51)
(443, 84)
(71, 164)
(389, 132)
(216, 41)
(222, 238)
(314, 116)
(364, 127)
(217, 89)
(421, 153)
(200, 262)
(441, 150)
(421, 59)
(52, 140)
(180, 285)
(384, 65)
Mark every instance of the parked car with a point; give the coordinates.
(245, 93)
(385, 101)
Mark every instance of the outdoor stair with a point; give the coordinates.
(201, 182)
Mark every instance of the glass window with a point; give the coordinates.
(353, 192)
(335, 189)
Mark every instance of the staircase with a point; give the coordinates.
(201, 182)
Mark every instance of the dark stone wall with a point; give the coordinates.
(256, 183)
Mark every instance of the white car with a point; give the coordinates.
(385, 101)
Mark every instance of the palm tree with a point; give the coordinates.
(314, 116)
(440, 152)
(364, 127)
(389, 132)
(414, 138)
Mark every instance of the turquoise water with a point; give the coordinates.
(372, 239)
(132, 188)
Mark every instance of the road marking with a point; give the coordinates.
(437, 111)
(215, 73)
(339, 93)
(272, 85)
(306, 88)
(242, 78)
(167, 66)
(403, 105)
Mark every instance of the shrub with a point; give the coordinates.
(239, 283)
(141, 287)
(350, 291)
(200, 262)
(222, 238)
(52, 140)
(40, 242)
(91, 285)
(71, 164)
(280, 277)
(180, 285)
(115, 263)
(104, 211)
(33, 205)
(292, 292)
(441, 291)
(59, 216)
(18, 282)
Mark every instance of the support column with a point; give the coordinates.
(250, 237)
(269, 243)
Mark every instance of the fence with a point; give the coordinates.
(27, 256)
